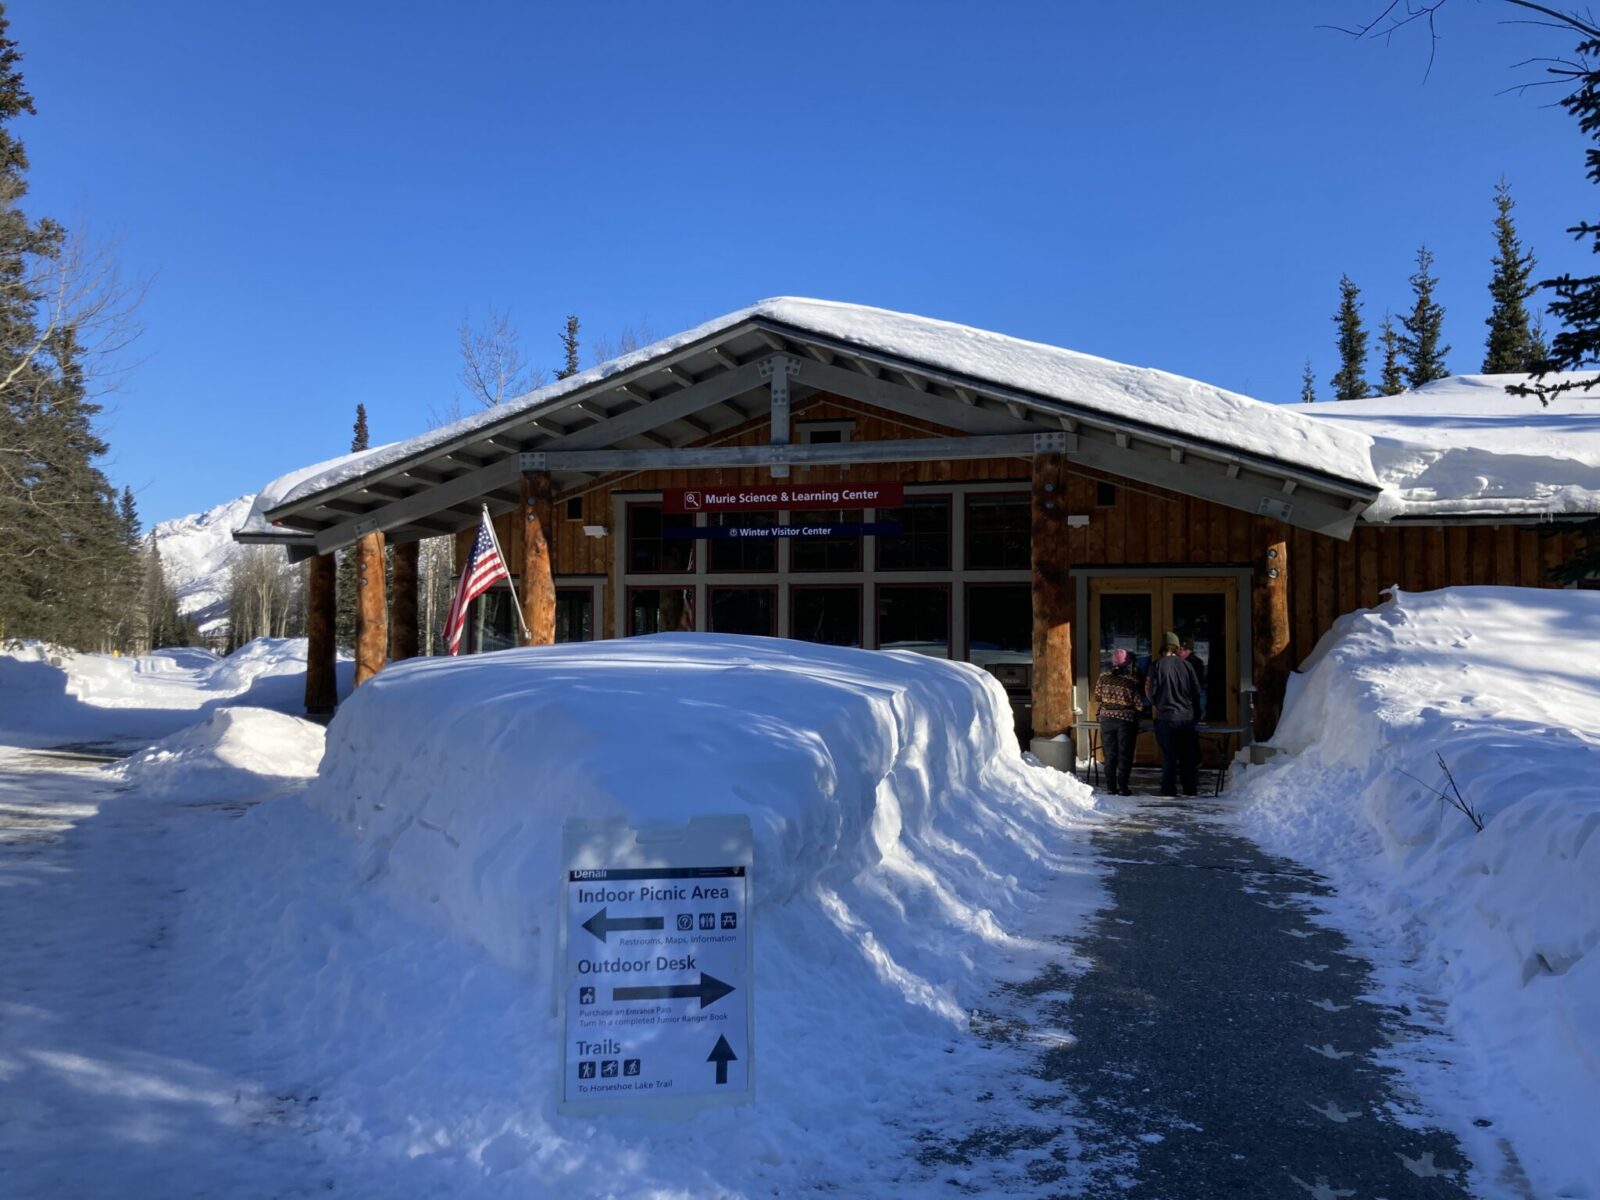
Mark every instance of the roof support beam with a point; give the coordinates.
(663, 409)
(779, 369)
(904, 400)
(1011, 445)
(460, 490)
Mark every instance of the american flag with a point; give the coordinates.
(484, 568)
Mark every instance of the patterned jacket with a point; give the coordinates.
(1118, 696)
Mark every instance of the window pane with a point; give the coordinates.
(1199, 619)
(999, 532)
(744, 554)
(824, 553)
(1000, 624)
(914, 618)
(494, 625)
(743, 610)
(923, 543)
(575, 615)
(830, 615)
(660, 610)
(648, 547)
(1125, 625)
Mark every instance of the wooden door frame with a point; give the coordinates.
(1084, 655)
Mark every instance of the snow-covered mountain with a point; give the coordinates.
(196, 552)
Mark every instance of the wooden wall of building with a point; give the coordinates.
(1146, 526)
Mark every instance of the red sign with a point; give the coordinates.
(787, 495)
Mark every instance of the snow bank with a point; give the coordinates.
(48, 693)
(1464, 445)
(900, 840)
(235, 752)
(1505, 684)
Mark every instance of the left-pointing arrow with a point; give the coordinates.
(600, 925)
(708, 991)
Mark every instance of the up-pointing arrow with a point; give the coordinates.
(599, 925)
(708, 991)
(722, 1054)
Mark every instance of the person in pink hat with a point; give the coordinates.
(1118, 698)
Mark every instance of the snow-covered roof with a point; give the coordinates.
(1040, 386)
(1465, 447)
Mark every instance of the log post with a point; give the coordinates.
(322, 611)
(403, 603)
(538, 582)
(1269, 619)
(372, 624)
(1052, 610)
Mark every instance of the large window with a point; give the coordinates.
(744, 554)
(999, 531)
(575, 614)
(824, 553)
(649, 549)
(830, 615)
(923, 543)
(491, 622)
(915, 617)
(999, 623)
(660, 610)
(749, 610)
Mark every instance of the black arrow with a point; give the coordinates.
(722, 1054)
(708, 991)
(599, 926)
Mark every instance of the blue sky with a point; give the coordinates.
(319, 192)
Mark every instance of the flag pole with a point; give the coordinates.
(516, 603)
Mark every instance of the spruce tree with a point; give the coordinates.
(1350, 383)
(1308, 385)
(569, 346)
(1392, 381)
(344, 623)
(1509, 349)
(1421, 343)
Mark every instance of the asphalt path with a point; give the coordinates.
(1216, 1041)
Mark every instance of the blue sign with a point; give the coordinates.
(843, 530)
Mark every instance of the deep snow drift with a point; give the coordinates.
(347, 988)
(1504, 683)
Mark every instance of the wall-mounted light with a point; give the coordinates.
(595, 530)
(1077, 520)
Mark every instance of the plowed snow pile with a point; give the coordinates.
(1504, 684)
(398, 961)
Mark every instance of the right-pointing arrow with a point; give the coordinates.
(722, 1054)
(708, 991)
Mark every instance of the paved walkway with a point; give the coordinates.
(1219, 1045)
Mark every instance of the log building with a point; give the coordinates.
(1038, 508)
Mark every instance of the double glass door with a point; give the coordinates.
(1134, 613)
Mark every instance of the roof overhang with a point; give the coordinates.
(659, 407)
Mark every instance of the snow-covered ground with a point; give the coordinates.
(224, 981)
(196, 554)
(1497, 932)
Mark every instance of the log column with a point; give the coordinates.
(538, 581)
(1052, 611)
(372, 620)
(1269, 620)
(322, 611)
(403, 603)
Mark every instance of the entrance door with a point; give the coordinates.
(1133, 613)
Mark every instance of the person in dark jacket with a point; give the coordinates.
(1118, 700)
(1173, 690)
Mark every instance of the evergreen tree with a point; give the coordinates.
(1392, 381)
(63, 543)
(344, 622)
(1350, 383)
(1308, 385)
(1510, 349)
(569, 345)
(1421, 342)
(164, 625)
